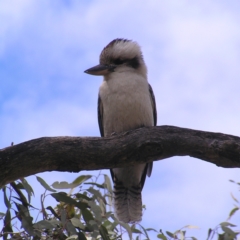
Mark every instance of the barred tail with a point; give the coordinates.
(128, 203)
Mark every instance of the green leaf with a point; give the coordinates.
(71, 229)
(108, 184)
(222, 237)
(63, 197)
(45, 185)
(19, 185)
(7, 224)
(54, 222)
(96, 210)
(233, 211)
(181, 233)
(52, 211)
(81, 236)
(234, 198)
(82, 196)
(28, 188)
(2, 215)
(95, 234)
(151, 229)
(209, 233)
(6, 201)
(92, 224)
(127, 227)
(96, 194)
(79, 180)
(225, 224)
(72, 237)
(104, 233)
(23, 210)
(18, 191)
(229, 231)
(135, 230)
(162, 236)
(170, 234)
(76, 223)
(63, 216)
(45, 224)
(87, 215)
(27, 224)
(109, 225)
(95, 184)
(102, 206)
(65, 185)
(146, 234)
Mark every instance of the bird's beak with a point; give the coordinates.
(100, 70)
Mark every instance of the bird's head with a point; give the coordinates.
(120, 55)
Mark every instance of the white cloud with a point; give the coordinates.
(13, 15)
(25, 120)
(188, 191)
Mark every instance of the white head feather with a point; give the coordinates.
(123, 52)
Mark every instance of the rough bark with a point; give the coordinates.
(74, 154)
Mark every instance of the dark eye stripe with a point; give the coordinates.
(119, 61)
(134, 62)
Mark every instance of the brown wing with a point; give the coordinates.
(152, 97)
(100, 116)
(149, 166)
(100, 123)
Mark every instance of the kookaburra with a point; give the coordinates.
(125, 102)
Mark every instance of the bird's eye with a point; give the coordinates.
(118, 61)
(134, 62)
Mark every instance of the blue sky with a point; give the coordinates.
(193, 57)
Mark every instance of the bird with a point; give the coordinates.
(125, 102)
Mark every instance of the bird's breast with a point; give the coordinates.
(126, 104)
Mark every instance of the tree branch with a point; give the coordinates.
(74, 154)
